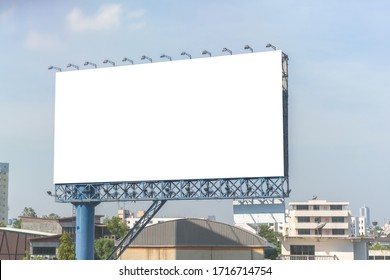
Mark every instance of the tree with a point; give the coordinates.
(103, 248)
(51, 216)
(116, 226)
(17, 223)
(66, 250)
(29, 212)
(272, 237)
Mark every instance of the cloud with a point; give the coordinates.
(41, 41)
(107, 17)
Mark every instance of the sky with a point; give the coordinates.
(339, 130)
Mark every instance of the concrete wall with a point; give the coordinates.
(43, 225)
(199, 253)
(360, 250)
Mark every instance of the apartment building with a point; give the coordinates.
(317, 229)
(319, 218)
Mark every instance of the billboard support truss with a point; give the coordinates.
(236, 188)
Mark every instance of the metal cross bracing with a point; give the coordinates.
(236, 188)
(137, 228)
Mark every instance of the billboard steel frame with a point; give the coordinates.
(237, 188)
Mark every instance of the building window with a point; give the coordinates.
(317, 219)
(303, 219)
(44, 250)
(303, 231)
(338, 231)
(302, 207)
(336, 207)
(337, 219)
(316, 207)
(302, 250)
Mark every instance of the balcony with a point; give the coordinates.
(308, 257)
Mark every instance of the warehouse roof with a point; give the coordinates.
(197, 232)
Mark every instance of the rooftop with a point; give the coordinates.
(26, 231)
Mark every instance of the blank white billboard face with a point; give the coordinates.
(218, 117)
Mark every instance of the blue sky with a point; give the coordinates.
(339, 66)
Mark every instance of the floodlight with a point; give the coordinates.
(72, 65)
(129, 60)
(53, 67)
(187, 54)
(109, 61)
(166, 56)
(270, 46)
(227, 50)
(146, 57)
(90, 63)
(206, 52)
(247, 47)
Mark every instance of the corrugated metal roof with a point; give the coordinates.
(197, 232)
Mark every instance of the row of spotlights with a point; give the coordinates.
(144, 57)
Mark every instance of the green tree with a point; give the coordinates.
(103, 248)
(51, 216)
(66, 250)
(17, 223)
(29, 212)
(116, 226)
(377, 246)
(272, 237)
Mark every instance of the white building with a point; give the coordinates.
(364, 212)
(130, 219)
(318, 229)
(358, 226)
(4, 169)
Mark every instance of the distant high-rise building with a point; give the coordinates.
(365, 212)
(4, 168)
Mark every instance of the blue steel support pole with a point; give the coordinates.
(85, 230)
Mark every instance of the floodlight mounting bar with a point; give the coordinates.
(227, 50)
(127, 59)
(54, 67)
(109, 61)
(90, 63)
(166, 56)
(187, 54)
(206, 189)
(72, 65)
(146, 57)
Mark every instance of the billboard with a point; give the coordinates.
(205, 118)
